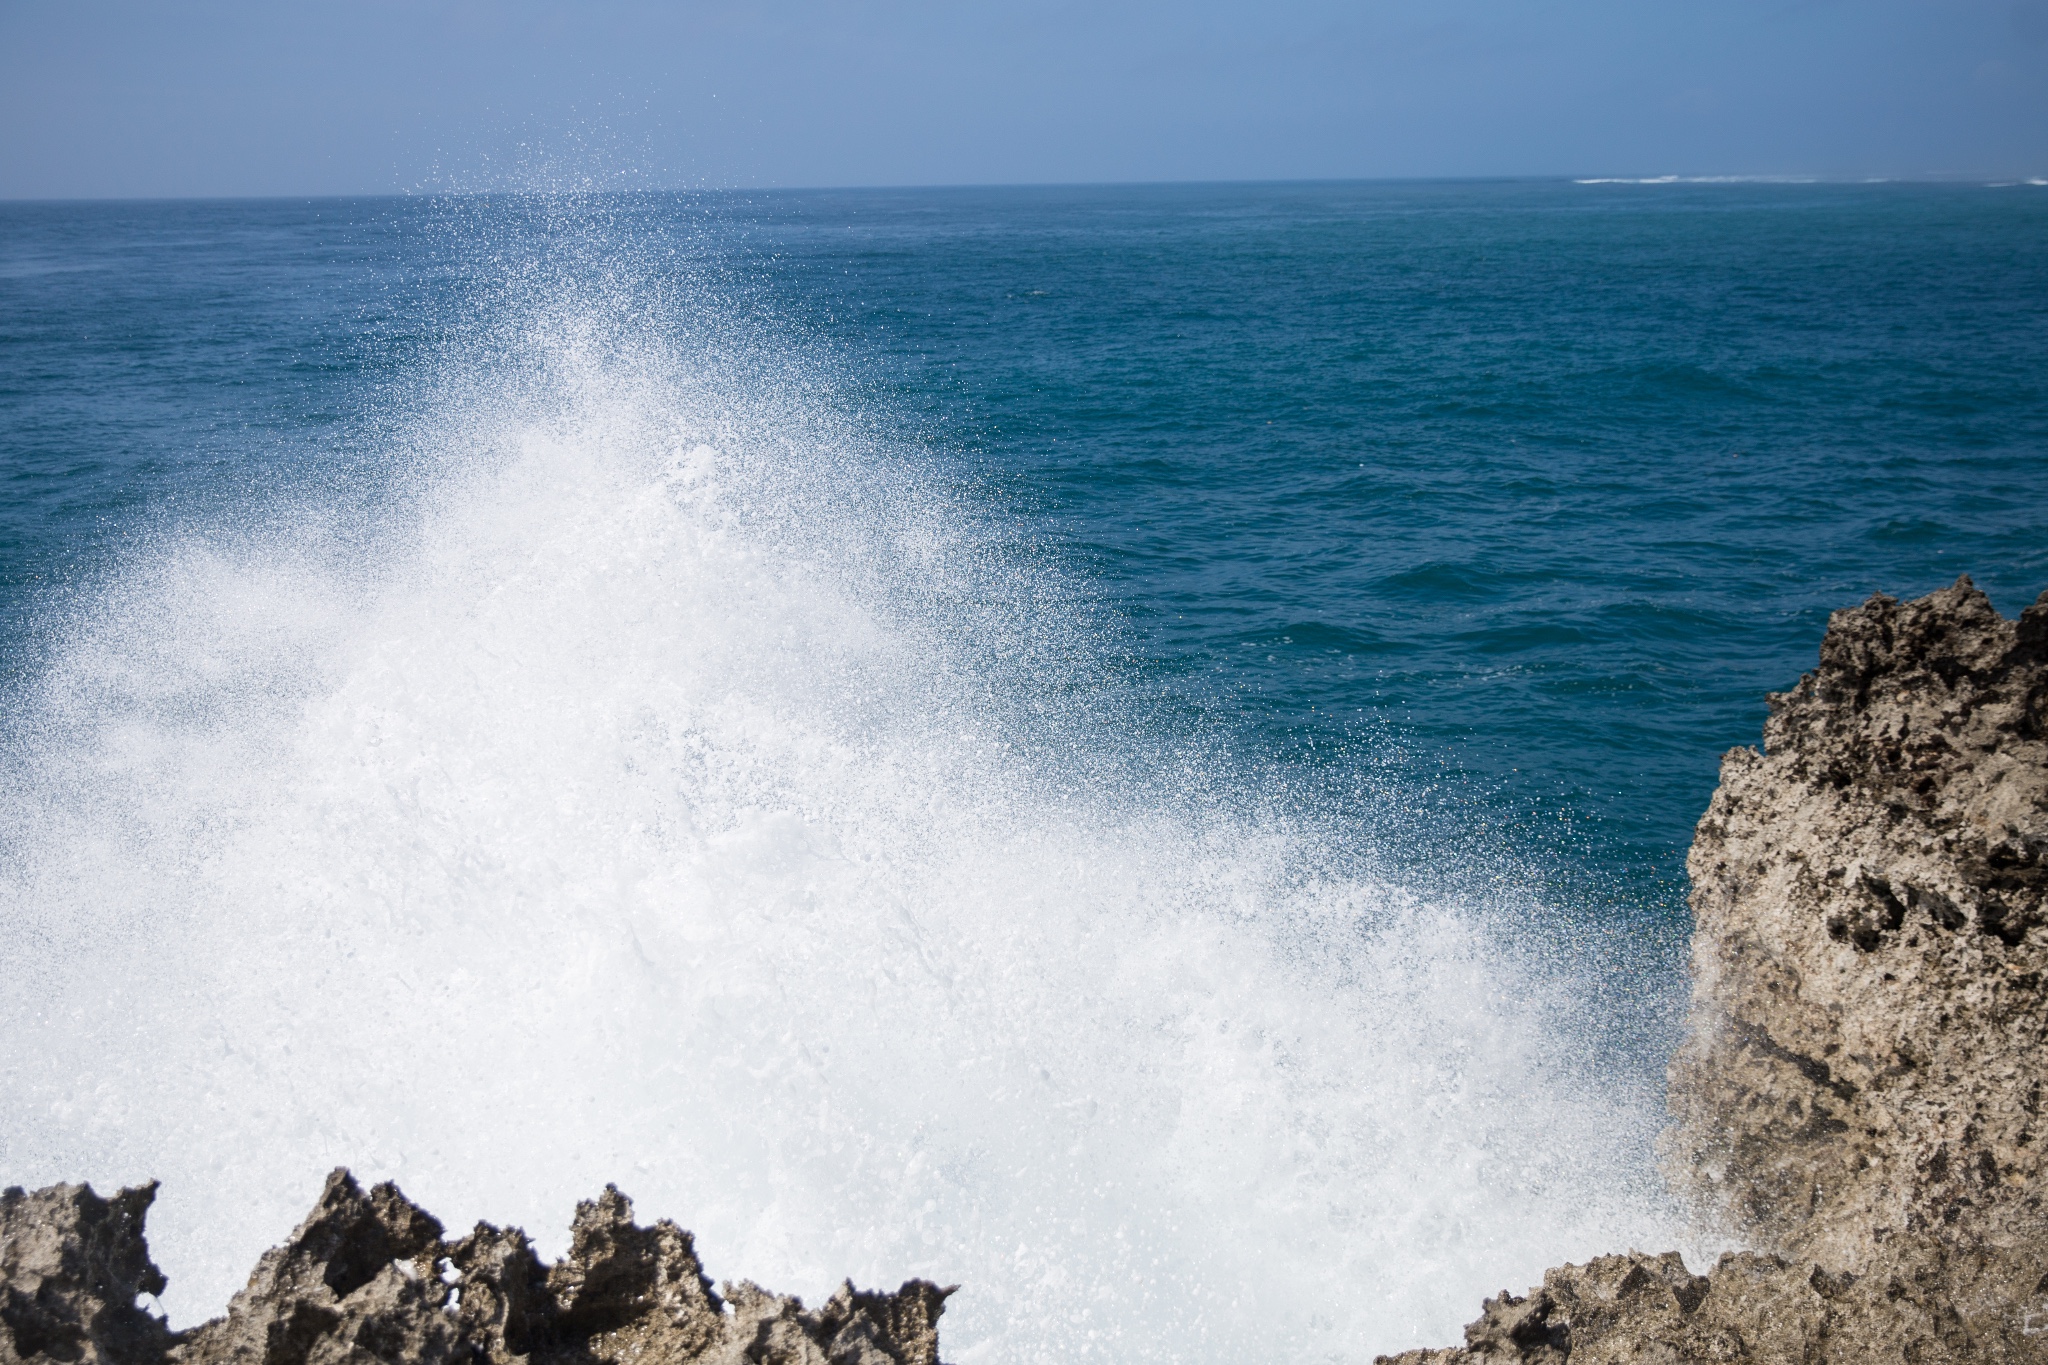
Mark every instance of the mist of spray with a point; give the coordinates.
(664, 784)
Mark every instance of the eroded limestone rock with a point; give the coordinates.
(369, 1277)
(1870, 1024)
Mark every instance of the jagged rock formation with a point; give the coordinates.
(368, 1277)
(1859, 1094)
(1867, 1044)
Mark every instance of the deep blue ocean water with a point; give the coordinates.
(1528, 490)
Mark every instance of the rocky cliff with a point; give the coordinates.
(1859, 1094)
(369, 1278)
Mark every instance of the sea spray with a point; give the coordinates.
(662, 780)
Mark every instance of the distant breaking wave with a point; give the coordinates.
(1699, 180)
(665, 784)
(1762, 180)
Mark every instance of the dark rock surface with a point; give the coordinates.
(1859, 1095)
(71, 1266)
(369, 1277)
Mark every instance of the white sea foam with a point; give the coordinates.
(666, 787)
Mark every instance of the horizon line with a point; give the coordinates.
(1942, 178)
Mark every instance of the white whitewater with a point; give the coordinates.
(667, 787)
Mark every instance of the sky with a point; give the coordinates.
(128, 98)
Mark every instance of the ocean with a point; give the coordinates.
(1128, 747)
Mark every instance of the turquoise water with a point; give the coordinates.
(1141, 737)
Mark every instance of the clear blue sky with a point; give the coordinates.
(120, 97)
